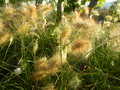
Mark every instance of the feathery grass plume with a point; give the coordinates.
(1, 25)
(29, 10)
(115, 19)
(63, 39)
(65, 33)
(64, 19)
(109, 18)
(118, 6)
(23, 28)
(56, 59)
(33, 12)
(49, 87)
(74, 83)
(107, 24)
(118, 11)
(4, 37)
(9, 10)
(24, 11)
(81, 47)
(92, 28)
(86, 11)
(44, 67)
(40, 69)
(114, 35)
(43, 9)
(40, 63)
(95, 12)
(84, 26)
(76, 17)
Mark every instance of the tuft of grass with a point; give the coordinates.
(42, 37)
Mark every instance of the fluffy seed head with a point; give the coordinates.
(76, 17)
(114, 35)
(1, 24)
(87, 28)
(9, 10)
(41, 63)
(4, 36)
(81, 47)
(107, 24)
(65, 34)
(115, 19)
(24, 11)
(86, 10)
(75, 82)
(33, 13)
(23, 28)
(109, 18)
(118, 6)
(95, 12)
(43, 9)
(45, 67)
(118, 11)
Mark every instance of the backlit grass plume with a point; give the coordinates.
(9, 10)
(4, 37)
(81, 47)
(24, 18)
(114, 36)
(33, 12)
(64, 34)
(86, 27)
(74, 83)
(45, 67)
(44, 9)
(1, 25)
(23, 28)
(79, 35)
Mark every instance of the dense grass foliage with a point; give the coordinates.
(79, 53)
